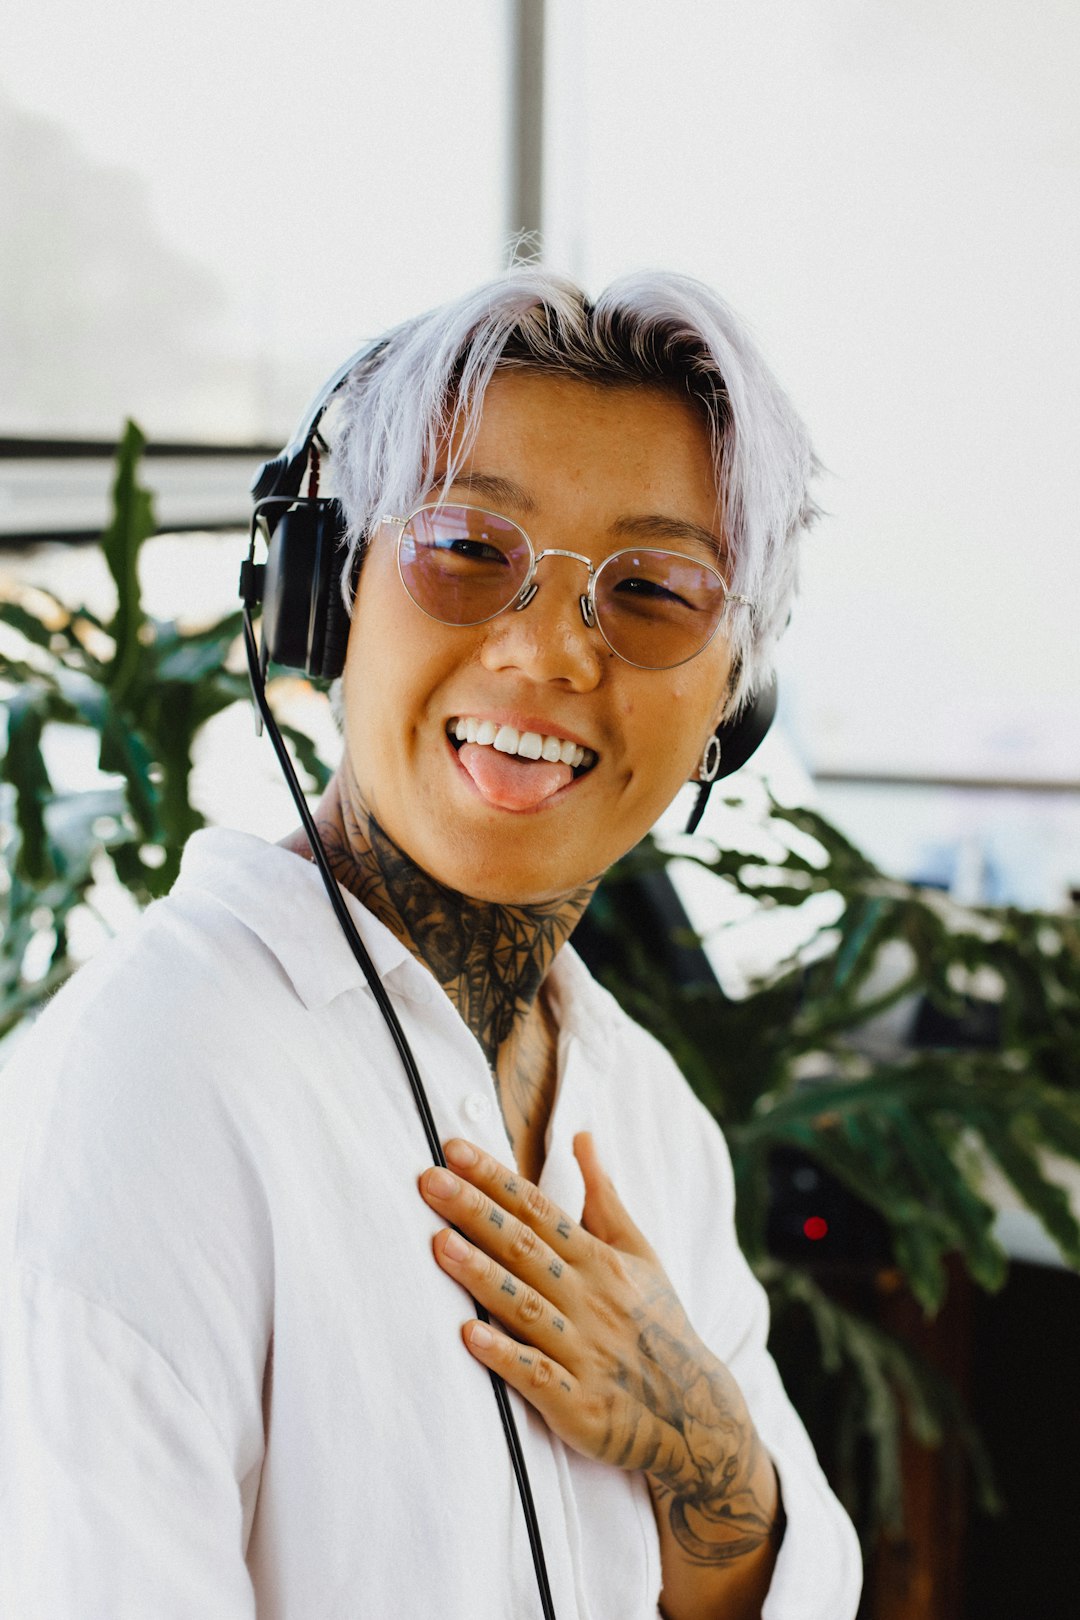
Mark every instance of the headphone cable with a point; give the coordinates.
(360, 952)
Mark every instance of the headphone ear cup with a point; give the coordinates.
(741, 737)
(305, 626)
(338, 622)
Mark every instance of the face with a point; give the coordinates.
(580, 468)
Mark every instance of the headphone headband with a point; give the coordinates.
(284, 473)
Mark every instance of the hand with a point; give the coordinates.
(598, 1342)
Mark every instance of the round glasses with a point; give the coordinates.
(655, 609)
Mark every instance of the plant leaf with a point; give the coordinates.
(24, 767)
(132, 522)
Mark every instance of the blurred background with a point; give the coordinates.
(205, 207)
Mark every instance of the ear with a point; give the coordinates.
(722, 707)
(727, 697)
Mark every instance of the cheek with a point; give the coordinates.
(680, 719)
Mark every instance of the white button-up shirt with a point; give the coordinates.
(232, 1382)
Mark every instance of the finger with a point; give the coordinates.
(512, 1219)
(540, 1378)
(498, 1232)
(514, 1192)
(605, 1215)
(523, 1310)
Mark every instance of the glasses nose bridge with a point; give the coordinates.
(588, 611)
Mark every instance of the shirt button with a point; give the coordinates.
(477, 1106)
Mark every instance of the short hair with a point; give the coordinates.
(423, 388)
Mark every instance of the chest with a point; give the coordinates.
(526, 1078)
(379, 1422)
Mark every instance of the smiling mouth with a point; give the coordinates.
(524, 745)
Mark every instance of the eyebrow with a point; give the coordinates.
(496, 489)
(645, 526)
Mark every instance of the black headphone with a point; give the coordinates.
(305, 625)
(304, 622)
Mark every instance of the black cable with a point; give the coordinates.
(702, 799)
(359, 950)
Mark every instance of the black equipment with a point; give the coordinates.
(305, 627)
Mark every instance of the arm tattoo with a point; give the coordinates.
(701, 1449)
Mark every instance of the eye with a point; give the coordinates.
(650, 590)
(472, 550)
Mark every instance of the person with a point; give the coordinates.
(241, 1366)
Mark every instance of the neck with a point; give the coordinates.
(491, 958)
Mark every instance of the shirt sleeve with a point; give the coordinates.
(136, 1301)
(117, 1497)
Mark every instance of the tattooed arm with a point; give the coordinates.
(603, 1349)
(720, 1517)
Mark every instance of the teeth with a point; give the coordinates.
(525, 744)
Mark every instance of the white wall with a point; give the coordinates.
(207, 205)
(888, 191)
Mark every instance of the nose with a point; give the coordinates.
(547, 636)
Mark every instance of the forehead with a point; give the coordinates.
(621, 448)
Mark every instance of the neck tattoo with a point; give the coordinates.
(490, 958)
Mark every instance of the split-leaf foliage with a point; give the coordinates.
(799, 1064)
(145, 687)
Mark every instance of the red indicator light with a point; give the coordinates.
(815, 1228)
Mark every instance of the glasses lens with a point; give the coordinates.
(462, 565)
(656, 609)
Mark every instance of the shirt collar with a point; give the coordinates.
(281, 899)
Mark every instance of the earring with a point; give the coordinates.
(710, 760)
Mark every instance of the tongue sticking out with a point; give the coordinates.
(511, 783)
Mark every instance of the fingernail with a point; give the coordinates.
(442, 1184)
(455, 1246)
(481, 1336)
(460, 1153)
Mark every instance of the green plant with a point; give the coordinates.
(909, 1132)
(145, 687)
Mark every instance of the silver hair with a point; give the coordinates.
(423, 389)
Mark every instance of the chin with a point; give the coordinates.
(516, 888)
(496, 878)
